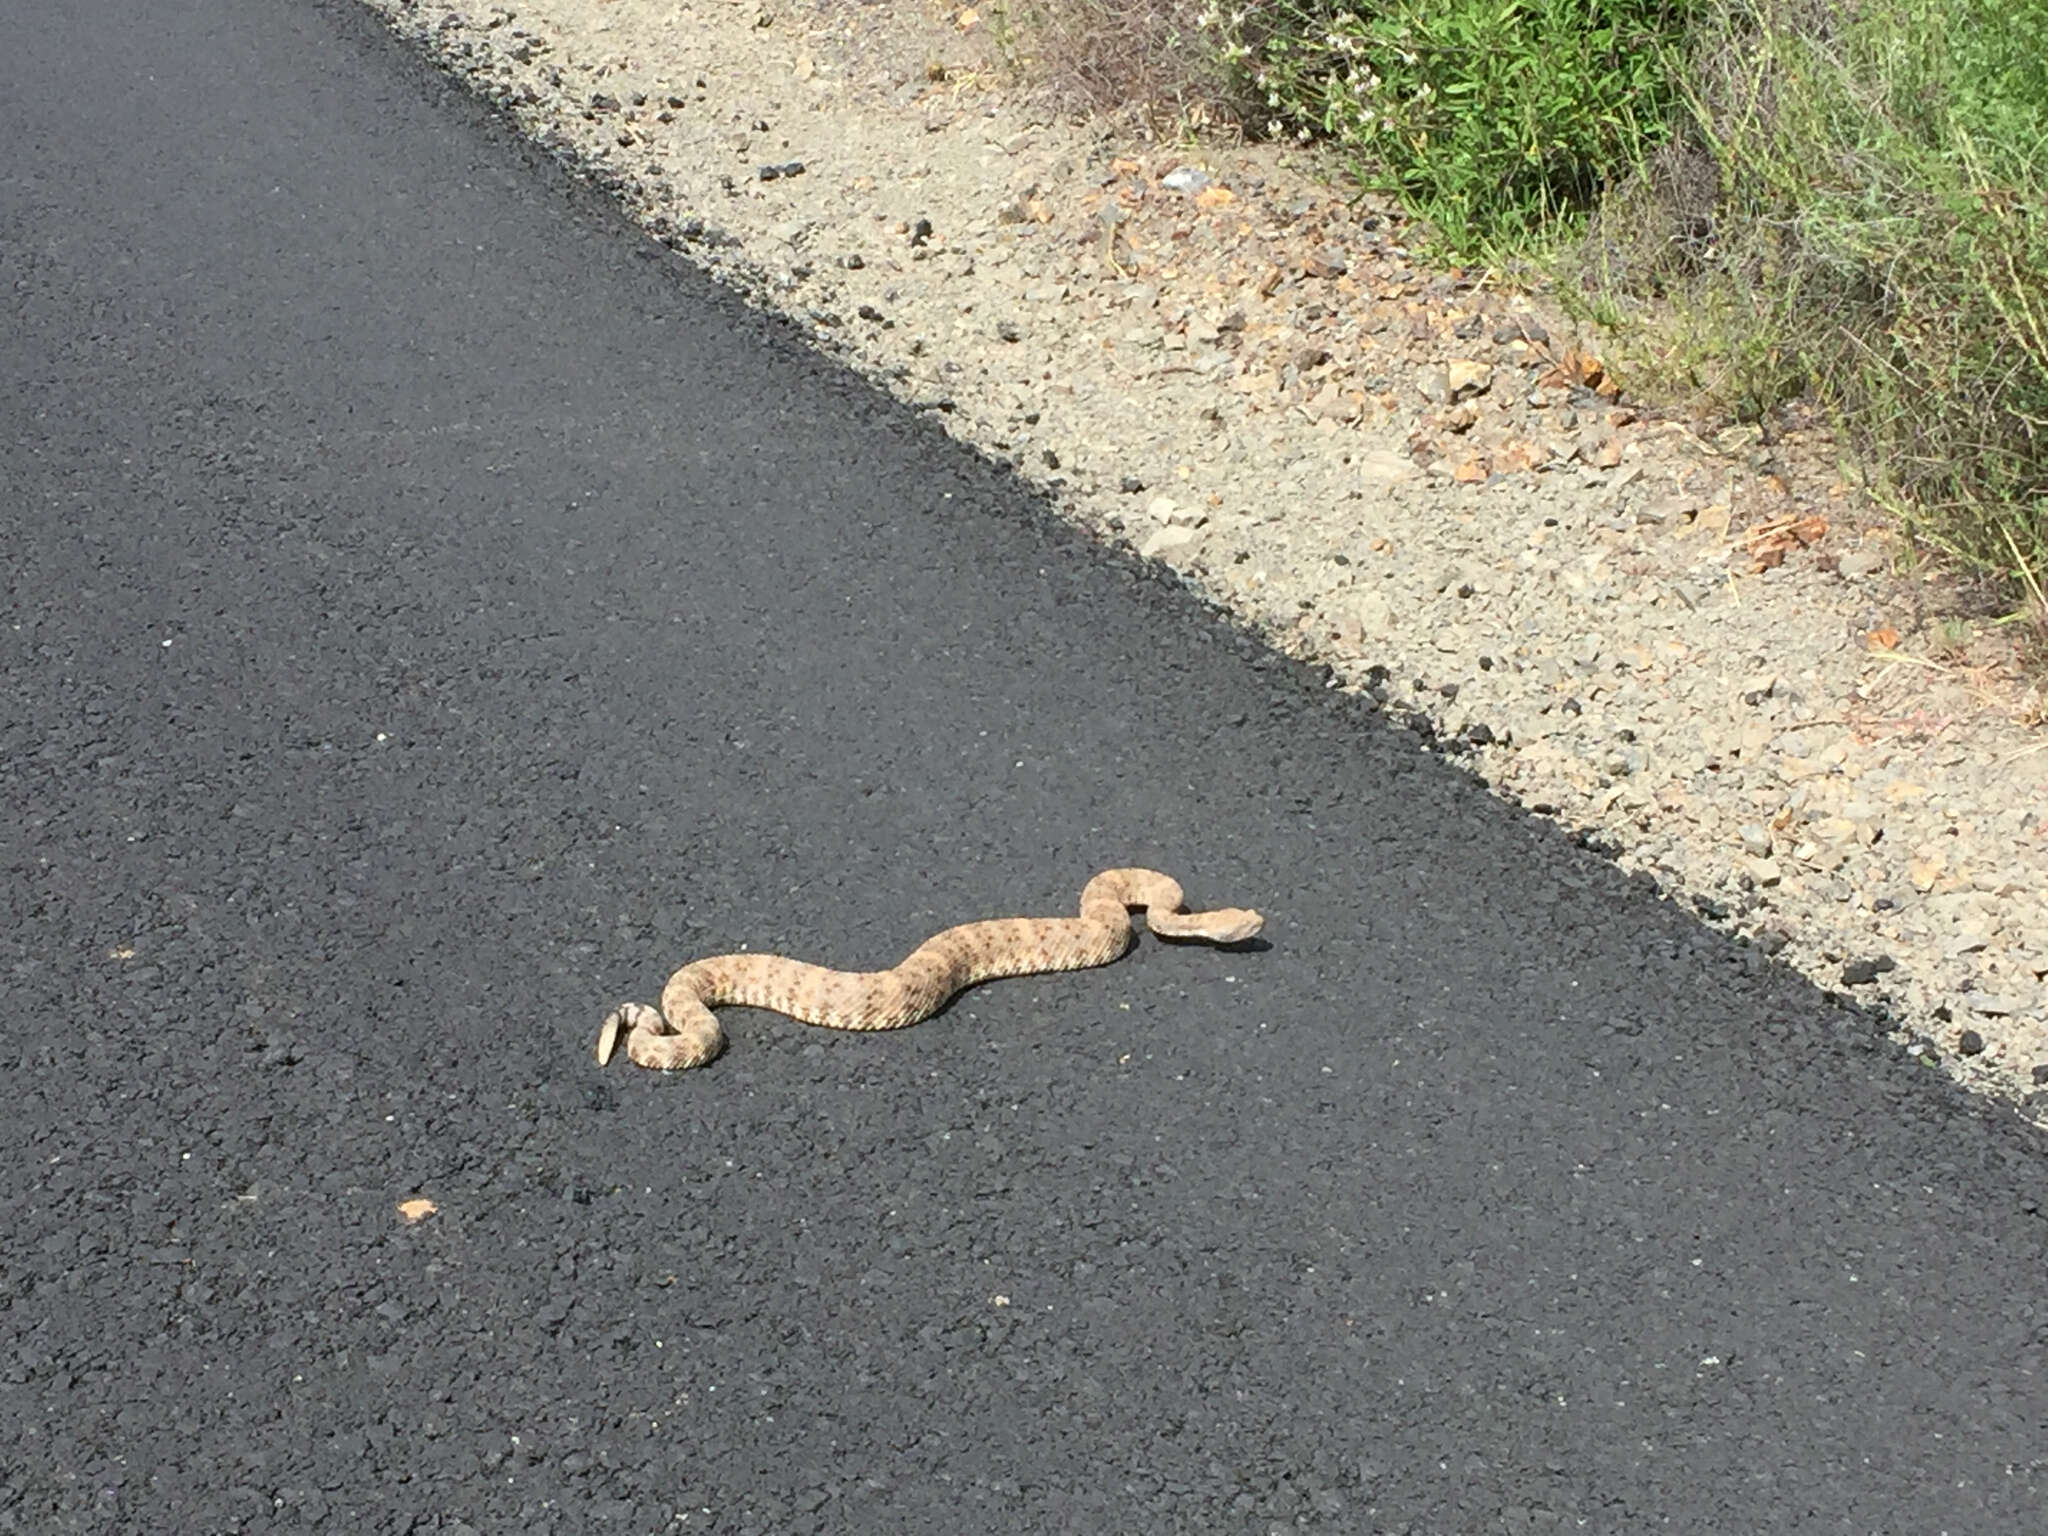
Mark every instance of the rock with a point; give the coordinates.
(1464, 377)
(1827, 860)
(1970, 1043)
(1992, 1004)
(1329, 403)
(1762, 871)
(1757, 689)
(1326, 263)
(1381, 467)
(1371, 613)
(1167, 541)
(1861, 973)
(1597, 450)
(1713, 520)
(1674, 510)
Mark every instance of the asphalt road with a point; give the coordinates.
(433, 613)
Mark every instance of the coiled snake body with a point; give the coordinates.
(685, 1033)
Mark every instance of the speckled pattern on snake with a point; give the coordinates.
(685, 1033)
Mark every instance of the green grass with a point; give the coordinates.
(1884, 215)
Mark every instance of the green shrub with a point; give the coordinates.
(1880, 237)
(1491, 118)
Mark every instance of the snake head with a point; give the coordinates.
(1236, 924)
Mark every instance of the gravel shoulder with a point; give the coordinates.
(1694, 646)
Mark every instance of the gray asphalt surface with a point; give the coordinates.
(433, 613)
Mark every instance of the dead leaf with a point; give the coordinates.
(1883, 638)
(416, 1209)
(1578, 370)
(1520, 453)
(1769, 543)
(1214, 197)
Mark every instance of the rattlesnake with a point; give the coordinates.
(684, 1033)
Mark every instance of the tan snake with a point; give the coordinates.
(685, 1033)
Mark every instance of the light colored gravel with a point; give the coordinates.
(1691, 643)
